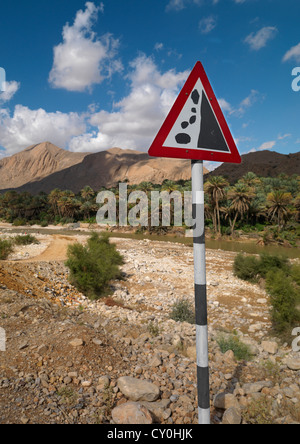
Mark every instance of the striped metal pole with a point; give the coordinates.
(200, 293)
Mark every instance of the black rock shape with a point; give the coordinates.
(183, 138)
(195, 97)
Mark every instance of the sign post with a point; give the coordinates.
(200, 292)
(196, 129)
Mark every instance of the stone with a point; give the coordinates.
(191, 352)
(155, 361)
(131, 413)
(77, 343)
(103, 382)
(24, 420)
(225, 401)
(138, 390)
(270, 347)
(158, 408)
(97, 341)
(255, 327)
(262, 301)
(252, 345)
(256, 387)
(42, 349)
(232, 416)
(293, 363)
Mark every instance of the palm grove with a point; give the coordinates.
(267, 205)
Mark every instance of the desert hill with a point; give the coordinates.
(35, 163)
(45, 167)
(262, 163)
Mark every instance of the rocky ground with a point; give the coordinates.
(122, 359)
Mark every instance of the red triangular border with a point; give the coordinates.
(158, 150)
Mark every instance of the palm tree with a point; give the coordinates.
(297, 206)
(216, 188)
(53, 199)
(66, 204)
(250, 179)
(241, 198)
(278, 203)
(87, 193)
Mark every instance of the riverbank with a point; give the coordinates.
(244, 243)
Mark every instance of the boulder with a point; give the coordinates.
(131, 413)
(138, 390)
(232, 416)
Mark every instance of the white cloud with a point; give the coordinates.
(136, 118)
(292, 54)
(225, 105)
(284, 136)
(246, 103)
(132, 123)
(158, 46)
(267, 145)
(82, 59)
(27, 127)
(207, 24)
(260, 39)
(10, 90)
(178, 5)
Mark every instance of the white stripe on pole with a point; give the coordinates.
(201, 341)
(204, 416)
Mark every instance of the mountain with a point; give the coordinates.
(262, 163)
(35, 163)
(45, 167)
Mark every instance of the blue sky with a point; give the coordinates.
(89, 76)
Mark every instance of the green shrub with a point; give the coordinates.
(252, 268)
(27, 239)
(153, 329)
(284, 295)
(259, 411)
(282, 284)
(295, 273)
(246, 267)
(241, 351)
(270, 262)
(5, 248)
(19, 222)
(93, 266)
(182, 312)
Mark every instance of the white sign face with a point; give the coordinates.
(197, 126)
(187, 127)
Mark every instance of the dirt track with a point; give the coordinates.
(57, 250)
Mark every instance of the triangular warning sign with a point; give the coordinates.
(195, 127)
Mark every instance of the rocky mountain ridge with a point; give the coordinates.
(44, 167)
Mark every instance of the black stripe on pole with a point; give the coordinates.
(201, 304)
(203, 388)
